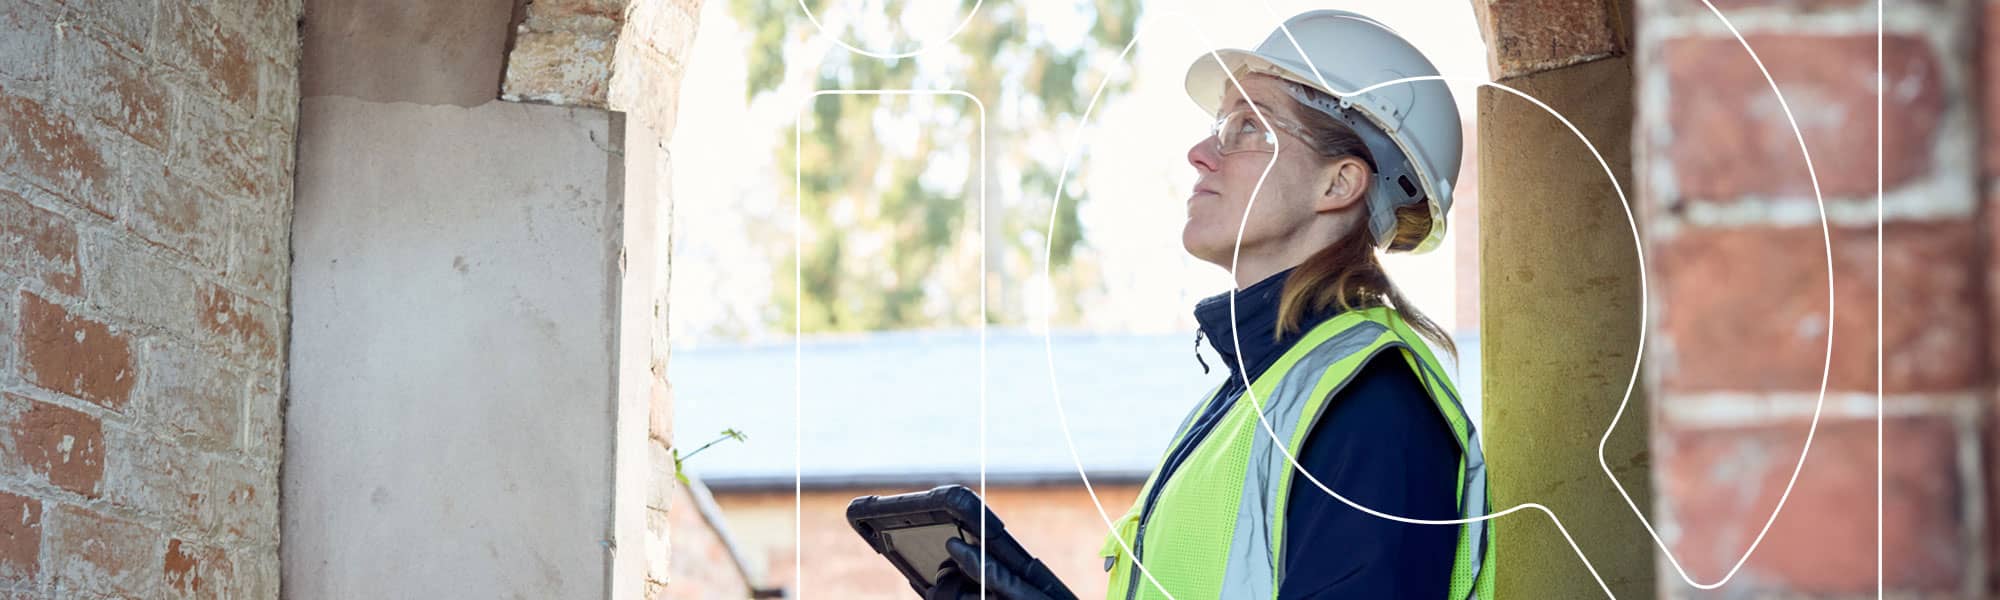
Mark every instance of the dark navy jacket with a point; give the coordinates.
(1381, 442)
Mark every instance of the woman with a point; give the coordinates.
(1326, 346)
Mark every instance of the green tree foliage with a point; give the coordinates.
(889, 238)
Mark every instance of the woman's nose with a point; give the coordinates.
(1204, 156)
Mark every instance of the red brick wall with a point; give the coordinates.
(1739, 297)
(145, 198)
(699, 565)
(1058, 523)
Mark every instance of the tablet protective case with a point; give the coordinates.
(910, 529)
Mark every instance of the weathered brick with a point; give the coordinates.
(112, 84)
(688, 8)
(130, 280)
(219, 56)
(122, 93)
(1745, 309)
(63, 446)
(659, 535)
(666, 29)
(43, 243)
(27, 52)
(264, 420)
(660, 412)
(1990, 447)
(159, 480)
(261, 253)
(1989, 77)
(660, 487)
(49, 148)
(278, 167)
(1731, 138)
(278, 91)
(206, 493)
(240, 504)
(648, 87)
(125, 22)
(174, 213)
(270, 27)
(20, 539)
(156, 117)
(91, 552)
(1530, 36)
(9, 318)
(1991, 214)
(197, 571)
(74, 355)
(268, 163)
(1738, 8)
(601, 17)
(188, 395)
(256, 572)
(1718, 486)
(232, 158)
(251, 326)
(559, 67)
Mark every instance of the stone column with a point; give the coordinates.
(1559, 297)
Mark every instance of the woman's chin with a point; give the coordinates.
(1194, 243)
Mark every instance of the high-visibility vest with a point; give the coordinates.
(1217, 526)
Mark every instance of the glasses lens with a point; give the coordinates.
(1241, 132)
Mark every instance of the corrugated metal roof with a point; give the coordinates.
(905, 406)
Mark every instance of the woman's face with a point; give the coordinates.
(1286, 204)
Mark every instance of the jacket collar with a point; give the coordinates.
(1255, 322)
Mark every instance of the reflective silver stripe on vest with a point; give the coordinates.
(1252, 560)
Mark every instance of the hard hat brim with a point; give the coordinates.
(1208, 78)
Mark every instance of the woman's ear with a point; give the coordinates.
(1347, 181)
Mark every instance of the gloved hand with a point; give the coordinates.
(1008, 581)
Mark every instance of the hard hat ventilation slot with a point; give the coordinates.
(1409, 189)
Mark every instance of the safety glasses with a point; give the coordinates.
(1241, 131)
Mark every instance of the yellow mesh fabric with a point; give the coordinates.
(1187, 536)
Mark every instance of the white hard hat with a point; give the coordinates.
(1411, 128)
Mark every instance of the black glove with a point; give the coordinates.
(1008, 581)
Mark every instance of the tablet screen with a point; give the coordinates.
(923, 546)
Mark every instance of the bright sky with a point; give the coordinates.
(1132, 159)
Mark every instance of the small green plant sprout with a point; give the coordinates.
(727, 434)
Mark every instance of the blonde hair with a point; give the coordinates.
(1347, 273)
